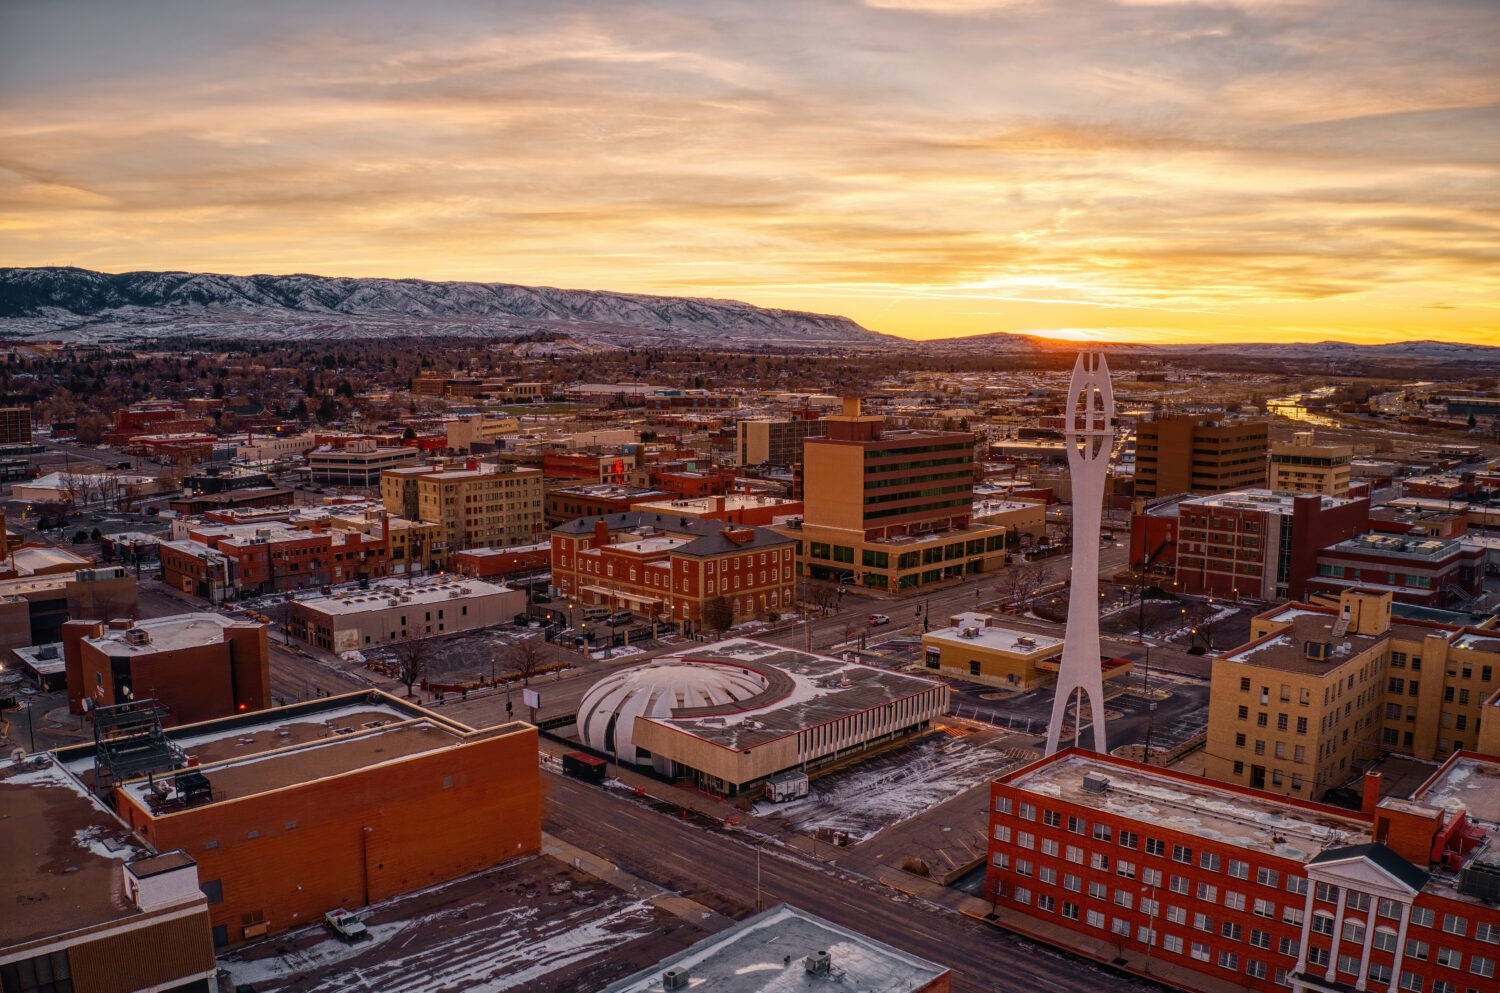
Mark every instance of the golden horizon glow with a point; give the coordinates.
(1080, 170)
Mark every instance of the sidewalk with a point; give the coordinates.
(678, 906)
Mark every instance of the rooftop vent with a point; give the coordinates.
(675, 978)
(1095, 783)
(1481, 877)
(818, 963)
(1026, 641)
(1316, 651)
(138, 636)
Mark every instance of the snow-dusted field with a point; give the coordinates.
(875, 793)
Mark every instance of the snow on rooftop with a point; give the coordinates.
(168, 634)
(1465, 783)
(994, 636)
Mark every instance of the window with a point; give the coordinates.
(1052, 818)
(1027, 813)
(1155, 846)
(1207, 893)
(1231, 930)
(1266, 877)
(1095, 918)
(1238, 869)
(1176, 915)
(1151, 877)
(1025, 839)
(1354, 932)
(1182, 853)
(1384, 940)
(1072, 883)
(1203, 922)
(1356, 900)
(1048, 875)
(1380, 974)
(1209, 861)
(1416, 949)
(1482, 966)
(1265, 908)
(1075, 854)
(1129, 839)
(1411, 981)
(1489, 933)
(1124, 899)
(1322, 923)
(1077, 825)
(1070, 910)
(1229, 960)
(1327, 893)
(1126, 869)
(1045, 902)
(1101, 832)
(1451, 958)
(1453, 924)
(1172, 943)
(1255, 969)
(1199, 951)
(1422, 916)
(1317, 956)
(40, 974)
(1098, 891)
(1022, 895)
(1179, 884)
(1002, 834)
(1388, 908)
(1234, 901)
(1100, 861)
(1286, 947)
(1260, 939)
(1002, 805)
(1349, 964)
(1291, 915)
(1050, 847)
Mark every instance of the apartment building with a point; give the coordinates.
(890, 509)
(479, 432)
(670, 567)
(1319, 692)
(1198, 453)
(1218, 888)
(777, 442)
(477, 504)
(1301, 466)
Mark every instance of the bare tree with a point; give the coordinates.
(526, 657)
(718, 614)
(412, 659)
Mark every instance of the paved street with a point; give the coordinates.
(719, 870)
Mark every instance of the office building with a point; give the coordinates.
(393, 611)
(890, 509)
(199, 666)
(1301, 466)
(358, 463)
(1428, 572)
(15, 425)
(775, 442)
(1198, 453)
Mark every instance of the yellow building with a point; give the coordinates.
(479, 430)
(1300, 466)
(477, 505)
(890, 509)
(976, 648)
(1319, 692)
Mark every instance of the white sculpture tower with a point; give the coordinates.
(1090, 434)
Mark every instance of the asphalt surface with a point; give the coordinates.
(718, 869)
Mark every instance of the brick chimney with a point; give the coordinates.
(601, 534)
(1371, 797)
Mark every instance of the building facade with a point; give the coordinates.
(777, 442)
(383, 614)
(672, 568)
(1301, 466)
(1429, 572)
(477, 504)
(1198, 453)
(1222, 888)
(360, 463)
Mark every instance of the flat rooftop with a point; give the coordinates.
(1272, 501)
(60, 855)
(710, 504)
(382, 595)
(1467, 781)
(803, 691)
(994, 636)
(170, 634)
(1287, 649)
(1208, 809)
(767, 953)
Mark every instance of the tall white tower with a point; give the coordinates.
(1090, 433)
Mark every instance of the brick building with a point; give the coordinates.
(15, 425)
(476, 504)
(1222, 888)
(1319, 692)
(1300, 466)
(752, 509)
(593, 499)
(1250, 543)
(1198, 453)
(496, 563)
(199, 665)
(340, 802)
(217, 561)
(90, 909)
(669, 567)
(1429, 572)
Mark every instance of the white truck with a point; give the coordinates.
(786, 786)
(346, 924)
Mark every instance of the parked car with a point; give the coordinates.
(878, 619)
(540, 598)
(346, 924)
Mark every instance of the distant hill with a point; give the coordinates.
(82, 305)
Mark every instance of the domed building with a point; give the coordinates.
(607, 714)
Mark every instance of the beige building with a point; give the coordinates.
(773, 441)
(465, 434)
(977, 648)
(1028, 517)
(477, 505)
(360, 463)
(1300, 466)
(1319, 692)
(390, 612)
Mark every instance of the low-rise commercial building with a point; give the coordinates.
(979, 648)
(734, 713)
(390, 612)
(568, 503)
(1429, 572)
(199, 666)
(339, 802)
(752, 509)
(1301, 466)
(89, 908)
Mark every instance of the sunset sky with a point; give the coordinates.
(1128, 170)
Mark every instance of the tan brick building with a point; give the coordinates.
(1300, 466)
(1198, 453)
(1319, 692)
(477, 504)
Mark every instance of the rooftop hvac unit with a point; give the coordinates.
(969, 632)
(1481, 877)
(675, 978)
(1026, 641)
(1095, 783)
(818, 963)
(137, 636)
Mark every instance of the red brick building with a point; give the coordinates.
(1228, 889)
(200, 666)
(1428, 572)
(498, 563)
(341, 802)
(1245, 543)
(221, 560)
(669, 567)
